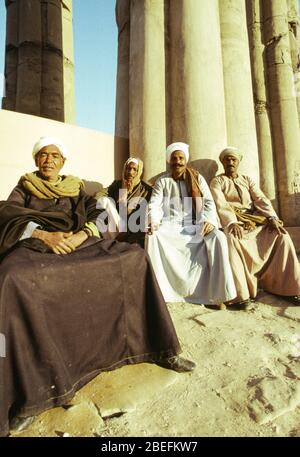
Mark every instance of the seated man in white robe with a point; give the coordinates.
(260, 249)
(188, 252)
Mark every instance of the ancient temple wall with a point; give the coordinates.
(189, 80)
(209, 72)
(231, 70)
(88, 149)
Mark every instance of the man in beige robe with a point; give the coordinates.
(261, 251)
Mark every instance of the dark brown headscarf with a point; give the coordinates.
(191, 178)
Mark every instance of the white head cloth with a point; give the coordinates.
(132, 159)
(47, 141)
(178, 147)
(231, 151)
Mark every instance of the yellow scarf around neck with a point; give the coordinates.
(67, 186)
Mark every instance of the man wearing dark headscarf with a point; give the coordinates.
(130, 196)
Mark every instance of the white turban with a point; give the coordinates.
(131, 159)
(47, 141)
(178, 147)
(231, 151)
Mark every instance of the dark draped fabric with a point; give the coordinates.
(64, 214)
(67, 318)
(141, 191)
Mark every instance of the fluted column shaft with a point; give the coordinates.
(68, 62)
(241, 131)
(294, 36)
(122, 90)
(196, 91)
(147, 129)
(284, 114)
(122, 98)
(259, 84)
(34, 58)
(52, 97)
(28, 95)
(11, 55)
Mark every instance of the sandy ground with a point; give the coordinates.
(246, 382)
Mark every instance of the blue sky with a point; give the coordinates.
(95, 44)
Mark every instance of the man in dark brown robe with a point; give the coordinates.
(62, 319)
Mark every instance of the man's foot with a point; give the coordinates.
(17, 424)
(295, 299)
(243, 305)
(214, 307)
(177, 363)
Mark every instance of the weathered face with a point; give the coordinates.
(230, 164)
(49, 162)
(177, 162)
(131, 171)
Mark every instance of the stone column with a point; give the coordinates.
(259, 84)
(28, 97)
(147, 131)
(122, 97)
(240, 117)
(52, 96)
(196, 104)
(122, 92)
(284, 115)
(294, 35)
(68, 62)
(11, 55)
(34, 59)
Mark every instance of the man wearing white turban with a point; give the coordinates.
(188, 252)
(183, 147)
(71, 305)
(47, 141)
(261, 251)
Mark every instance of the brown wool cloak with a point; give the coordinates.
(67, 318)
